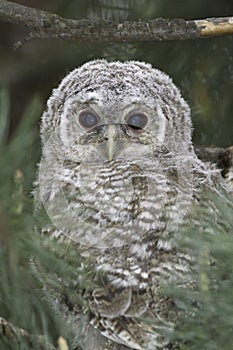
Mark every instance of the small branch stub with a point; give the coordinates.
(215, 26)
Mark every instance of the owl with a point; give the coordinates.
(118, 178)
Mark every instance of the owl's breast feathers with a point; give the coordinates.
(132, 204)
(118, 192)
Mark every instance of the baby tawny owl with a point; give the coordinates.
(117, 178)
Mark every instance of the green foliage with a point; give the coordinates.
(206, 320)
(22, 301)
(25, 264)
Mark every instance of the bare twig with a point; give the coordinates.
(43, 24)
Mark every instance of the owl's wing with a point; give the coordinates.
(130, 318)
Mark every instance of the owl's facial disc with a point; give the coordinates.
(100, 134)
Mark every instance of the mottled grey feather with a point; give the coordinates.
(122, 213)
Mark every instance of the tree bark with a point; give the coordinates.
(43, 24)
(222, 157)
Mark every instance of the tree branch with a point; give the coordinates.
(43, 24)
(222, 157)
(16, 335)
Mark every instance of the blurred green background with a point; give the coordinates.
(203, 69)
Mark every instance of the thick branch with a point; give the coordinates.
(43, 24)
(223, 157)
(210, 154)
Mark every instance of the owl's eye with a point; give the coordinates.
(137, 121)
(88, 119)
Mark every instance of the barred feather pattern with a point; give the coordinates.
(122, 214)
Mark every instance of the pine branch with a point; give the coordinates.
(43, 24)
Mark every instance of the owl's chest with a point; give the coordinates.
(112, 188)
(114, 203)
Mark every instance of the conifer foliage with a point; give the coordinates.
(27, 320)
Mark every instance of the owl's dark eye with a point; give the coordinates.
(137, 121)
(88, 119)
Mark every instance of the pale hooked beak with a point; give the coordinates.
(111, 143)
(112, 140)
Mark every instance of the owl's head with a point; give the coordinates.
(109, 110)
(125, 132)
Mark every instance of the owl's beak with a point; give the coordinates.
(111, 143)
